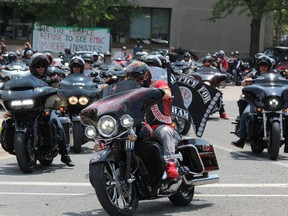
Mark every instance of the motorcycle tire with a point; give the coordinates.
(183, 126)
(116, 201)
(25, 152)
(183, 196)
(275, 140)
(7, 141)
(77, 137)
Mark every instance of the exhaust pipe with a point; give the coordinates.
(202, 181)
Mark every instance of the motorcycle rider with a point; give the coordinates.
(88, 59)
(263, 65)
(76, 65)
(207, 63)
(224, 62)
(38, 68)
(127, 55)
(159, 116)
(188, 60)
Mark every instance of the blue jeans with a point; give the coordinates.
(243, 130)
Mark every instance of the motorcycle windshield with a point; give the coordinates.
(125, 97)
(158, 73)
(73, 81)
(266, 85)
(18, 83)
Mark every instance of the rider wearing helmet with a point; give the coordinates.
(153, 60)
(263, 65)
(188, 60)
(76, 65)
(159, 116)
(12, 57)
(224, 62)
(38, 68)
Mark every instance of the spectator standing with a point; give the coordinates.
(137, 48)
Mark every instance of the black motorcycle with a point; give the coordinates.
(76, 91)
(210, 76)
(26, 129)
(267, 125)
(129, 165)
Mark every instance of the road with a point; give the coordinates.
(249, 184)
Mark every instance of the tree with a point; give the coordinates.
(256, 9)
(84, 13)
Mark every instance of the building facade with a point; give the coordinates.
(190, 29)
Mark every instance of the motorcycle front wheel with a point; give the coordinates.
(116, 196)
(25, 153)
(275, 140)
(77, 137)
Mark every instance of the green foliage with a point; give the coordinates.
(84, 13)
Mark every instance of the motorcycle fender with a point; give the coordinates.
(103, 155)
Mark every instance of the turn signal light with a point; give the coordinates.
(259, 109)
(61, 109)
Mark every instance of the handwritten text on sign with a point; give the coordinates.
(56, 39)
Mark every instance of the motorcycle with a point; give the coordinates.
(76, 91)
(267, 125)
(111, 72)
(129, 165)
(26, 130)
(213, 77)
(182, 68)
(18, 68)
(210, 76)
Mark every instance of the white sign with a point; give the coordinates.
(56, 39)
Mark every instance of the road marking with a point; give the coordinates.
(82, 184)
(43, 194)
(196, 195)
(248, 155)
(75, 184)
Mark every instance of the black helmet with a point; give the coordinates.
(77, 60)
(38, 59)
(237, 52)
(107, 53)
(207, 58)
(88, 57)
(232, 54)
(186, 55)
(12, 56)
(153, 60)
(124, 48)
(137, 70)
(50, 57)
(264, 59)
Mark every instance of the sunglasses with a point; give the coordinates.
(40, 66)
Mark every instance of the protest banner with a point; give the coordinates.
(57, 38)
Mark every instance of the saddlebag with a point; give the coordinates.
(203, 149)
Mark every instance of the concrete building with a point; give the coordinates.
(190, 29)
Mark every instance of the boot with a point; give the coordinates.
(67, 160)
(171, 170)
(239, 143)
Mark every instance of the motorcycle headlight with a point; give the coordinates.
(90, 132)
(274, 103)
(22, 104)
(207, 83)
(73, 100)
(83, 100)
(107, 126)
(126, 121)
